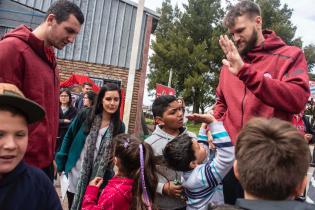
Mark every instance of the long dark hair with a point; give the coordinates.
(98, 108)
(91, 96)
(127, 149)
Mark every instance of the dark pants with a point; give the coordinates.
(49, 171)
(70, 197)
(232, 189)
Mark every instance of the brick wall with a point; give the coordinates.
(67, 68)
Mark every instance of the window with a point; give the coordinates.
(101, 81)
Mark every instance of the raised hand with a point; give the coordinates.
(233, 59)
(172, 190)
(205, 118)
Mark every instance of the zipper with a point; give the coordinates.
(243, 100)
(243, 107)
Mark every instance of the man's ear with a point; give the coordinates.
(299, 190)
(159, 121)
(50, 19)
(193, 164)
(258, 22)
(237, 175)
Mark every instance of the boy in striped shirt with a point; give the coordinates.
(202, 175)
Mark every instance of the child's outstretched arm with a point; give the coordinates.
(224, 158)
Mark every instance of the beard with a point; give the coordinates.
(250, 44)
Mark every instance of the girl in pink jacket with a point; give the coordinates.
(134, 185)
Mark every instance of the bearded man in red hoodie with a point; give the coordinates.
(261, 76)
(28, 64)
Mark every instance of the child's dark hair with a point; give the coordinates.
(14, 111)
(178, 153)
(127, 150)
(272, 158)
(160, 104)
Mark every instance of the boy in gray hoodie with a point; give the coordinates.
(168, 116)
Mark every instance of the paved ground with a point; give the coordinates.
(57, 186)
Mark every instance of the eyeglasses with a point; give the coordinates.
(64, 96)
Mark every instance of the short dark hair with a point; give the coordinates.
(272, 158)
(62, 9)
(87, 83)
(178, 153)
(247, 7)
(160, 104)
(14, 111)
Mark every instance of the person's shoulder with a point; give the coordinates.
(38, 175)
(154, 139)
(289, 51)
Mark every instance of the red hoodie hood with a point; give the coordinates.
(25, 34)
(271, 42)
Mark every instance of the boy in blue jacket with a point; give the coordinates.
(201, 174)
(21, 186)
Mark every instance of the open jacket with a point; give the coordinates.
(26, 63)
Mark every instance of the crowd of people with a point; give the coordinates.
(251, 153)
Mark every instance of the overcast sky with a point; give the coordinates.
(303, 18)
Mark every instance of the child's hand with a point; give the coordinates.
(210, 140)
(308, 137)
(205, 118)
(97, 181)
(172, 190)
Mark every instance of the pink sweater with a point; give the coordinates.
(115, 196)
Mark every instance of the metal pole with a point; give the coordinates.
(170, 78)
(133, 63)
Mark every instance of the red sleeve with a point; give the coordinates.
(90, 200)
(11, 63)
(288, 94)
(220, 105)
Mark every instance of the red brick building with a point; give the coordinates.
(103, 47)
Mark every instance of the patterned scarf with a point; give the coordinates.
(103, 161)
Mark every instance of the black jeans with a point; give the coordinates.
(232, 189)
(70, 197)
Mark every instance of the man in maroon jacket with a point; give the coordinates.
(261, 75)
(28, 63)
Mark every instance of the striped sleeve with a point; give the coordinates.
(224, 158)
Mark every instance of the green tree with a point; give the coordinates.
(191, 50)
(277, 17)
(309, 52)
